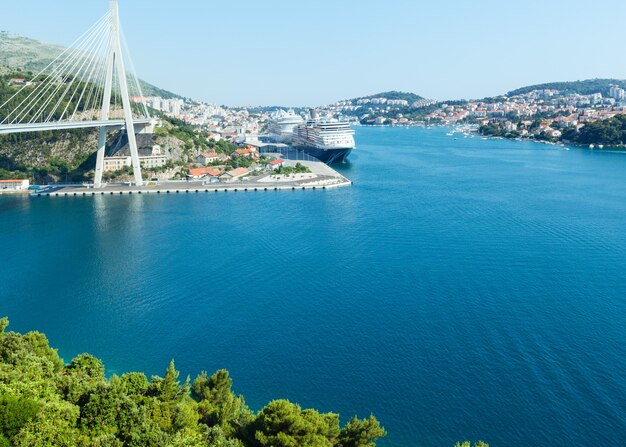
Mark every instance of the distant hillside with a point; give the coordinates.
(22, 53)
(586, 87)
(393, 95)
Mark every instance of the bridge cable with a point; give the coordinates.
(85, 80)
(106, 16)
(134, 73)
(44, 86)
(73, 74)
(56, 73)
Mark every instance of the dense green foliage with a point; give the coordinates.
(492, 130)
(611, 132)
(178, 129)
(410, 97)
(45, 403)
(299, 168)
(72, 167)
(586, 87)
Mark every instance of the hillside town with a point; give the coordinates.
(541, 113)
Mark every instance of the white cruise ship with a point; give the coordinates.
(282, 125)
(328, 140)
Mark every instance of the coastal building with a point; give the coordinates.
(249, 152)
(119, 162)
(199, 173)
(153, 161)
(275, 164)
(398, 102)
(116, 163)
(18, 81)
(14, 185)
(169, 106)
(234, 175)
(208, 157)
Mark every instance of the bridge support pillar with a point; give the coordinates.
(115, 61)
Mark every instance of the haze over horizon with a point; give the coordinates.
(281, 53)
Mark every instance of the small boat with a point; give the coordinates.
(601, 146)
(592, 146)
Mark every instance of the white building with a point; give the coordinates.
(153, 161)
(234, 175)
(112, 164)
(209, 157)
(117, 163)
(398, 102)
(617, 93)
(14, 185)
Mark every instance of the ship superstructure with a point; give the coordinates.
(282, 125)
(327, 139)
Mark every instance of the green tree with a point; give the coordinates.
(4, 323)
(134, 383)
(55, 426)
(469, 444)
(283, 424)
(15, 412)
(218, 405)
(46, 405)
(82, 376)
(361, 433)
(169, 387)
(215, 437)
(88, 366)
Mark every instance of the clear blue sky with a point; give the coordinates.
(239, 52)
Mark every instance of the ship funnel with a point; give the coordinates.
(313, 114)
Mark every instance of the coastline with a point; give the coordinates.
(193, 189)
(596, 146)
(320, 177)
(605, 148)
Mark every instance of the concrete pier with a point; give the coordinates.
(187, 188)
(323, 177)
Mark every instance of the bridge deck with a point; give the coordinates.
(40, 127)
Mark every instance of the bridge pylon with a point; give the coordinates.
(115, 64)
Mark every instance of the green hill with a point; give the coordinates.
(586, 87)
(393, 95)
(29, 55)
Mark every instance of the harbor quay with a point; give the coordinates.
(320, 177)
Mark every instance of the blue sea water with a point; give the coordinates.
(461, 289)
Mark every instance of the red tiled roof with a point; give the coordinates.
(199, 172)
(238, 171)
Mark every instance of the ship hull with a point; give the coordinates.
(328, 156)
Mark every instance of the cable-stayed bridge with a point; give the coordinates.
(89, 85)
